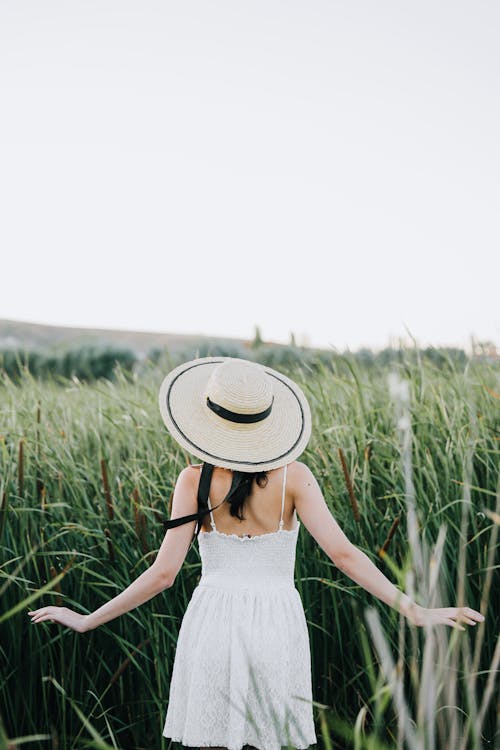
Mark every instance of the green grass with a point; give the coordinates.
(377, 681)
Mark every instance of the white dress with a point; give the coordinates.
(242, 668)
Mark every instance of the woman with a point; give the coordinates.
(242, 669)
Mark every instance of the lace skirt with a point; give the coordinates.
(242, 670)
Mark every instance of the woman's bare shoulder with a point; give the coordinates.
(299, 472)
(190, 473)
(193, 471)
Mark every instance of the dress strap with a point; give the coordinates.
(283, 498)
(212, 522)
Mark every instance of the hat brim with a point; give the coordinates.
(261, 446)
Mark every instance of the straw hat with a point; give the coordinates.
(235, 413)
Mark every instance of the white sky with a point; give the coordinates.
(327, 168)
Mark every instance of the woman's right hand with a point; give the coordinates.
(421, 616)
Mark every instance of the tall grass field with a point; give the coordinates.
(406, 455)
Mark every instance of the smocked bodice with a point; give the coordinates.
(261, 561)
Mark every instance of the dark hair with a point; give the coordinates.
(243, 489)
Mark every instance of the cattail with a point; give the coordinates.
(391, 533)
(350, 490)
(143, 534)
(54, 737)
(107, 493)
(20, 469)
(40, 489)
(127, 661)
(38, 478)
(158, 515)
(69, 564)
(135, 501)
(111, 551)
(42, 498)
(3, 511)
(139, 521)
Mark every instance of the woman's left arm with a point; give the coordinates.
(358, 566)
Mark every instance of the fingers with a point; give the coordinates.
(449, 621)
(41, 618)
(44, 613)
(452, 616)
(477, 616)
(462, 614)
(468, 620)
(468, 615)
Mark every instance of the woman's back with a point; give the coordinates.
(262, 509)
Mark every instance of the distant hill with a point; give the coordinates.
(23, 335)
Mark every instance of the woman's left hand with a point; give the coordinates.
(451, 616)
(62, 615)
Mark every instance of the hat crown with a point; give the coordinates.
(241, 387)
